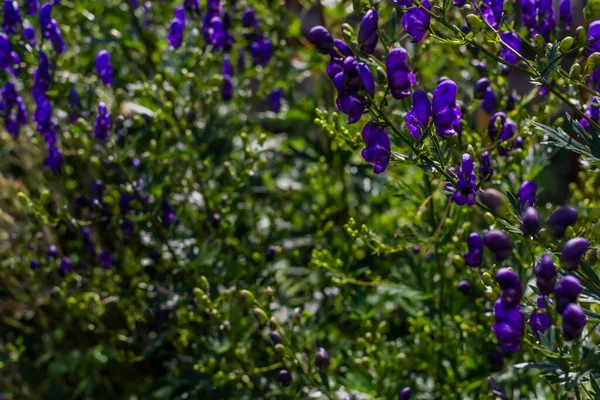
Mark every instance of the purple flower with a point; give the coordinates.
(545, 273)
(284, 377)
(501, 129)
(405, 393)
(464, 287)
(367, 32)
(105, 259)
(41, 77)
(261, 51)
(12, 108)
(320, 37)
(567, 291)
(459, 3)
(377, 150)
(474, 256)
(349, 77)
(419, 115)
(445, 113)
(50, 29)
(572, 252)
(514, 42)
(32, 7)
(54, 159)
(352, 105)
(499, 243)
(481, 87)
(526, 193)
(104, 67)
(52, 251)
(529, 13)
(249, 18)
(466, 187)
(485, 165)
(322, 358)
(592, 112)
(193, 8)
(530, 224)
(566, 15)
(491, 10)
(507, 279)
(545, 17)
(540, 322)
(560, 220)
(12, 17)
(593, 42)
(175, 36)
(400, 78)
(509, 326)
(65, 266)
(34, 264)
(102, 127)
(416, 21)
(489, 100)
(275, 99)
(227, 69)
(168, 214)
(29, 34)
(573, 321)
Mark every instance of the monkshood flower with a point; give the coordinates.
(419, 115)
(509, 326)
(31, 7)
(321, 38)
(560, 220)
(511, 287)
(9, 60)
(545, 275)
(459, 3)
(34, 264)
(102, 127)
(565, 13)
(481, 87)
(464, 287)
(400, 78)
(416, 21)
(214, 31)
(539, 322)
(367, 32)
(261, 50)
(405, 3)
(500, 129)
(445, 112)
(572, 252)
(491, 10)
(65, 266)
(530, 222)
(227, 89)
(322, 358)
(41, 77)
(249, 18)
(12, 108)
(275, 99)
(499, 243)
(567, 291)
(529, 13)
(592, 112)
(546, 23)
(54, 159)
(105, 259)
(284, 377)
(510, 102)
(350, 78)
(192, 7)
(514, 41)
(50, 29)
(88, 242)
(466, 187)
(485, 165)
(489, 101)
(12, 17)
(104, 67)
(43, 118)
(377, 150)
(29, 35)
(52, 251)
(214, 6)
(573, 321)
(405, 393)
(593, 39)
(526, 193)
(474, 256)
(175, 36)
(168, 214)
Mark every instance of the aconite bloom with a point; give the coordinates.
(481, 86)
(31, 7)
(567, 291)
(8, 58)
(485, 165)
(175, 36)
(509, 326)
(249, 18)
(321, 38)
(168, 214)
(284, 377)
(400, 78)
(227, 69)
(322, 358)
(592, 111)
(104, 67)
(12, 108)
(350, 77)
(270, 253)
(405, 393)
(377, 150)
(499, 243)
(464, 287)
(540, 322)
(474, 256)
(65, 266)
(192, 7)
(561, 219)
(511, 287)
(465, 192)
(573, 321)
(545, 274)
(572, 252)
(54, 159)
(275, 99)
(419, 115)
(367, 32)
(50, 29)
(445, 112)
(513, 41)
(12, 17)
(261, 50)
(105, 259)
(530, 222)
(416, 21)
(565, 13)
(490, 100)
(500, 128)
(102, 127)
(526, 193)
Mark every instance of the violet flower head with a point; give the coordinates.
(500, 128)
(275, 99)
(5, 50)
(489, 100)
(529, 13)
(593, 39)
(367, 32)
(592, 112)
(572, 252)
(445, 112)
(481, 86)
(227, 88)
(168, 214)
(530, 222)
(565, 14)
(509, 326)
(499, 243)
(175, 36)
(54, 159)
(464, 287)
(12, 17)
(526, 193)
(192, 7)
(50, 29)
(104, 68)
(34, 264)
(568, 288)
(416, 21)
(539, 322)
(419, 115)
(400, 78)
(350, 77)
(459, 3)
(322, 359)
(31, 7)
(29, 35)
(545, 17)
(485, 165)
(574, 320)
(65, 266)
(561, 219)
(249, 18)
(405, 393)
(514, 41)
(41, 77)
(405, 3)
(474, 256)
(102, 127)
(321, 38)
(261, 50)
(12, 108)
(545, 275)
(466, 187)
(377, 150)
(284, 377)
(105, 259)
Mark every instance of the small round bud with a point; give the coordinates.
(566, 44)
(260, 316)
(322, 358)
(539, 41)
(575, 72)
(474, 23)
(284, 377)
(593, 62)
(580, 36)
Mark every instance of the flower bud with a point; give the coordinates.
(247, 297)
(405, 393)
(566, 44)
(499, 243)
(530, 224)
(572, 252)
(275, 337)
(320, 37)
(279, 349)
(474, 23)
(573, 321)
(495, 201)
(560, 220)
(260, 316)
(580, 36)
(464, 287)
(593, 62)
(284, 377)
(487, 278)
(539, 41)
(322, 358)
(575, 72)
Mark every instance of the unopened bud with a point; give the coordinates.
(575, 72)
(593, 62)
(580, 36)
(260, 316)
(566, 44)
(474, 23)
(539, 41)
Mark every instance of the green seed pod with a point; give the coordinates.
(566, 44)
(539, 41)
(593, 62)
(474, 23)
(260, 315)
(273, 323)
(580, 36)
(575, 72)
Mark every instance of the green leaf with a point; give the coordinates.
(393, 22)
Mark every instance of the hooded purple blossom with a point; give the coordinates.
(261, 50)
(514, 41)
(50, 29)
(481, 87)
(65, 266)
(367, 32)
(592, 112)
(445, 112)
(350, 77)
(561, 219)
(490, 101)
(104, 67)
(567, 291)
(593, 40)
(546, 24)
(12, 109)
(466, 187)
(321, 38)
(168, 214)
(574, 320)
(530, 224)
(405, 3)
(31, 7)
(511, 287)
(29, 35)
(400, 78)
(192, 7)
(485, 165)
(499, 243)
(102, 127)
(419, 115)
(405, 393)
(41, 77)
(416, 21)
(474, 256)
(12, 17)
(275, 99)
(491, 10)
(43, 118)
(227, 89)
(500, 129)
(509, 326)
(105, 259)
(175, 36)
(539, 322)
(545, 275)
(565, 13)
(464, 287)
(249, 18)
(526, 193)
(377, 150)
(572, 252)
(54, 159)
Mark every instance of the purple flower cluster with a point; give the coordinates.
(102, 127)
(275, 97)
(50, 29)
(526, 193)
(377, 151)
(227, 88)
(416, 21)
(12, 109)
(400, 78)
(499, 243)
(509, 322)
(572, 252)
(538, 16)
(485, 165)
(446, 114)
(466, 187)
(560, 220)
(573, 317)
(12, 17)
(9, 60)
(593, 110)
(216, 26)
(540, 322)
(419, 115)
(367, 32)
(104, 67)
